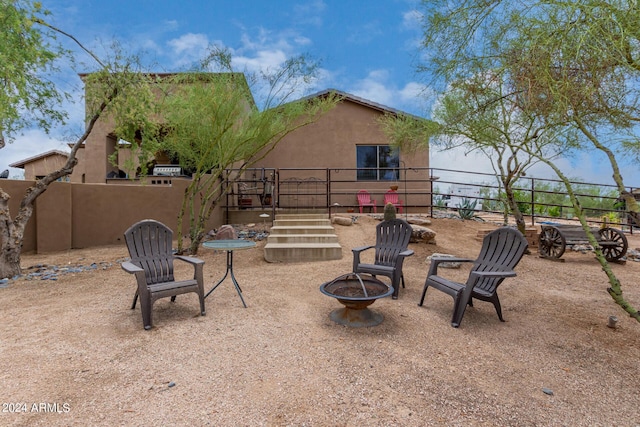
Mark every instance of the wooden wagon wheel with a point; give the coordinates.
(613, 243)
(551, 243)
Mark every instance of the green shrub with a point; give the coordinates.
(554, 211)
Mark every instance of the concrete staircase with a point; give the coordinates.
(302, 237)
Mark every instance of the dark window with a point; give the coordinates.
(377, 163)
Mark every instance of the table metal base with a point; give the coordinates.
(233, 278)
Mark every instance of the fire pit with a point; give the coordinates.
(356, 292)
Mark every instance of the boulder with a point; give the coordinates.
(226, 232)
(340, 220)
(419, 221)
(422, 234)
(444, 264)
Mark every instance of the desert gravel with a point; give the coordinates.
(73, 354)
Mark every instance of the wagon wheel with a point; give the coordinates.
(613, 243)
(551, 243)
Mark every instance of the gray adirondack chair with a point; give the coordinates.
(392, 240)
(502, 250)
(149, 243)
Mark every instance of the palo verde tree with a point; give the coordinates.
(571, 62)
(27, 98)
(583, 67)
(576, 62)
(480, 114)
(210, 124)
(29, 52)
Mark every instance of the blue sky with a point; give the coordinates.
(368, 49)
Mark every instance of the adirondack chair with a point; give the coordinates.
(392, 240)
(391, 196)
(364, 200)
(149, 244)
(501, 251)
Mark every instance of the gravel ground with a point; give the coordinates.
(74, 354)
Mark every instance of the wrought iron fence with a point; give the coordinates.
(424, 190)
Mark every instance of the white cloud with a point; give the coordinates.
(188, 48)
(416, 98)
(412, 20)
(267, 50)
(262, 60)
(309, 13)
(379, 87)
(189, 42)
(374, 88)
(302, 41)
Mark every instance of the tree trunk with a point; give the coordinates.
(615, 290)
(12, 230)
(515, 210)
(10, 259)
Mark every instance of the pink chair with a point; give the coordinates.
(364, 199)
(392, 197)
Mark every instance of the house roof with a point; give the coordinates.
(361, 101)
(21, 164)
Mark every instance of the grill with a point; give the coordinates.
(167, 170)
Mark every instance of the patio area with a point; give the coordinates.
(74, 343)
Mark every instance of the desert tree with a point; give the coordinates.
(571, 62)
(29, 55)
(583, 68)
(481, 114)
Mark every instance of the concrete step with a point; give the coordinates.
(302, 238)
(301, 229)
(301, 216)
(302, 252)
(302, 222)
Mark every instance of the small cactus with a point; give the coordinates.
(389, 212)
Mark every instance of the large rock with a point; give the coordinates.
(340, 220)
(422, 234)
(454, 264)
(419, 221)
(226, 232)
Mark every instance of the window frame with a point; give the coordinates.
(387, 163)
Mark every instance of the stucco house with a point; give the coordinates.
(343, 138)
(321, 166)
(347, 139)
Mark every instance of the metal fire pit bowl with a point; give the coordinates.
(356, 292)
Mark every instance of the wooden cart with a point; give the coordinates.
(554, 239)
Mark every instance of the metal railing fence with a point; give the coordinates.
(423, 190)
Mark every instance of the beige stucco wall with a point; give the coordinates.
(72, 215)
(99, 146)
(331, 143)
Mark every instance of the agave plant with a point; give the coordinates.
(467, 208)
